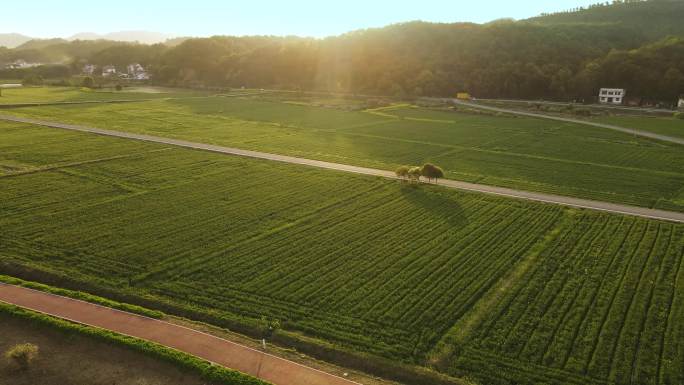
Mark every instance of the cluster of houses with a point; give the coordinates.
(618, 96)
(134, 71)
(18, 64)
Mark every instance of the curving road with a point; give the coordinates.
(502, 191)
(629, 131)
(273, 369)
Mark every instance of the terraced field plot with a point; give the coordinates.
(529, 154)
(364, 263)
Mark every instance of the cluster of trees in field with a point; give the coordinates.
(414, 173)
(562, 56)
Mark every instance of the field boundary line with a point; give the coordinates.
(54, 167)
(550, 218)
(462, 328)
(453, 184)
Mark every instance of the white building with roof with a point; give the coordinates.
(89, 69)
(108, 70)
(19, 64)
(137, 72)
(612, 95)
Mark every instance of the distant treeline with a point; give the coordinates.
(564, 56)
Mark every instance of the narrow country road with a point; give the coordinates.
(502, 191)
(211, 348)
(629, 131)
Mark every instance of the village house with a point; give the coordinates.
(137, 72)
(611, 95)
(21, 64)
(109, 70)
(680, 104)
(89, 69)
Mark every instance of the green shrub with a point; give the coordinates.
(88, 82)
(22, 355)
(679, 115)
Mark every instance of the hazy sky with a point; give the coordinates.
(54, 18)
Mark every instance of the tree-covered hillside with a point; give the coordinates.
(654, 19)
(561, 56)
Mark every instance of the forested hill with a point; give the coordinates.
(562, 56)
(654, 19)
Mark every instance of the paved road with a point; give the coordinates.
(211, 348)
(507, 192)
(629, 131)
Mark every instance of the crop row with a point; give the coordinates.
(381, 276)
(600, 304)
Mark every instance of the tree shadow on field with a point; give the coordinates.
(444, 206)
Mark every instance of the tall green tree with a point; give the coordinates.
(431, 172)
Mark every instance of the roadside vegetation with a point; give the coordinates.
(82, 296)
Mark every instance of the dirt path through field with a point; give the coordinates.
(502, 191)
(229, 354)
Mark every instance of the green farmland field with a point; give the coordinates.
(502, 291)
(659, 125)
(71, 94)
(524, 153)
